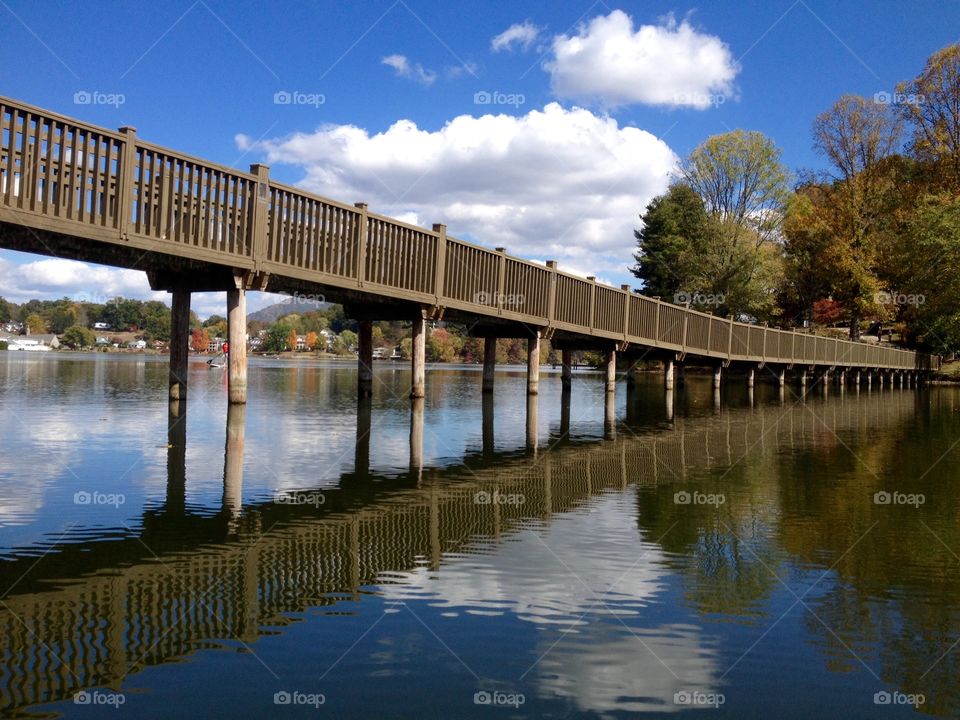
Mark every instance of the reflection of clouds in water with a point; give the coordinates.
(558, 582)
(529, 575)
(611, 670)
(21, 496)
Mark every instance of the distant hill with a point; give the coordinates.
(272, 313)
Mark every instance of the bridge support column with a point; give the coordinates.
(418, 358)
(842, 379)
(361, 448)
(237, 337)
(416, 438)
(533, 364)
(486, 425)
(869, 379)
(566, 369)
(233, 459)
(781, 378)
(609, 417)
(532, 426)
(803, 378)
(717, 376)
(179, 343)
(611, 371)
(668, 374)
(880, 378)
(365, 359)
(751, 377)
(489, 363)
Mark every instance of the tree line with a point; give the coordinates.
(873, 242)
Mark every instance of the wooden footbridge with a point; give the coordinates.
(75, 190)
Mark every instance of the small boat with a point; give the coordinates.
(216, 362)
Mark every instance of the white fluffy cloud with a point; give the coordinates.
(56, 278)
(521, 35)
(556, 183)
(670, 64)
(411, 71)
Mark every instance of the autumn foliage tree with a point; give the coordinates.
(199, 340)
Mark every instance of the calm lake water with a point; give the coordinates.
(304, 557)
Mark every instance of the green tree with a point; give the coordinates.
(277, 337)
(7, 310)
(348, 339)
(78, 337)
(713, 239)
(672, 225)
(63, 315)
(35, 323)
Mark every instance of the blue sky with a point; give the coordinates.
(549, 141)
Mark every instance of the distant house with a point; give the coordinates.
(45, 340)
(301, 342)
(101, 326)
(137, 344)
(216, 344)
(101, 340)
(379, 353)
(256, 342)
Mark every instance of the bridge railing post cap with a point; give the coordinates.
(127, 129)
(360, 205)
(592, 278)
(439, 227)
(500, 249)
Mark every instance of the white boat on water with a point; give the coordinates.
(27, 345)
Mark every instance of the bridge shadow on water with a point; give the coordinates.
(91, 613)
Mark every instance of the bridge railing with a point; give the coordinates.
(63, 175)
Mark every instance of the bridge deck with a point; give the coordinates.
(91, 193)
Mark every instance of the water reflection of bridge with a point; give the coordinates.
(89, 614)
